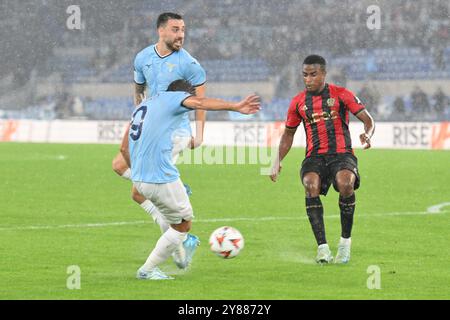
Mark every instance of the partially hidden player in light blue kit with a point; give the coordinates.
(147, 148)
(155, 68)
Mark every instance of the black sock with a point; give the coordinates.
(347, 206)
(314, 209)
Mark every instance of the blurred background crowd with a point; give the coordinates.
(400, 71)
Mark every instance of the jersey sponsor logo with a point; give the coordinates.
(316, 117)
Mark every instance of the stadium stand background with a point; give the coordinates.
(401, 72)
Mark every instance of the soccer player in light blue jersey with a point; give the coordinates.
(147, 148)
(155, 68)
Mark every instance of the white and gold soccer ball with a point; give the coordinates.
(226, 242)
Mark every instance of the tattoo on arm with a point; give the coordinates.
(139, 93)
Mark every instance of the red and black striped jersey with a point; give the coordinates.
(325, 118)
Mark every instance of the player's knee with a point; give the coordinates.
(312, 186)
(345, 187)
(184, 226)
(187, 228)
(137, 197)
(118, 166)
(134, 196)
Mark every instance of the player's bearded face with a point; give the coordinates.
(173, 34)
(313, 77)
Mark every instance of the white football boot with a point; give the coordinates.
(343, 253)
(324, 254)
(154, 274)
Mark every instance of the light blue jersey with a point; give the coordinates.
(155, 121)
(158, 72)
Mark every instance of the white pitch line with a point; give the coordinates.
(38, 157)
(438, 208)
(65, 226)
(305, 217)
(260, 219)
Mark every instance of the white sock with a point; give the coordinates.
(179, 254)
(127, 174)
(166, 244)
(157, 216)
(345, 241)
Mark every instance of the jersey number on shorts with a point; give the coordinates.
(137, 128)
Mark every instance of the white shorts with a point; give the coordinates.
(179, 144)
(171, 200)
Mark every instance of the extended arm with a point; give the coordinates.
(369, 128)
(249, 105)
(285, 145)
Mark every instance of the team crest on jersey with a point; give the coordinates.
(330, 102)
(170, 66)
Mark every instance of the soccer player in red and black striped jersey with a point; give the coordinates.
(324, 110)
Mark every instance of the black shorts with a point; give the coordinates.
(327, 166)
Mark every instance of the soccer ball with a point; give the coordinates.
(226, 242)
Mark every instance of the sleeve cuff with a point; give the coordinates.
(359, 111)
(181, 103)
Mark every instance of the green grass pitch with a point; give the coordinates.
(61, 205)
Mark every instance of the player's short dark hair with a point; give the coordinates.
(181, 85)
(166, 16)
(316, 59)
